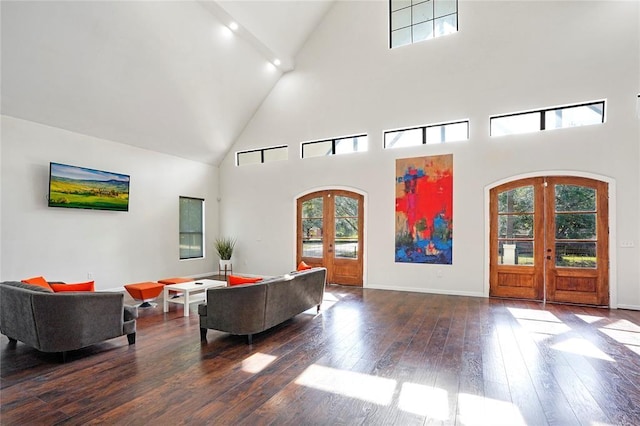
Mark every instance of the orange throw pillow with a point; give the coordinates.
(39, 281)
(88, 286)
(303, 266)
(237, 280)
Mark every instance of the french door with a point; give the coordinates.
(329, 234)
(549, 240)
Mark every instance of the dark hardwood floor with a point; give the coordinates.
(370, 357)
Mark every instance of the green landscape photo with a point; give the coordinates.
(82, 188)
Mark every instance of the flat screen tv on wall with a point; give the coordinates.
(82, 188)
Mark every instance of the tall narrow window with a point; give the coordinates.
(191, 228)
(412, 21)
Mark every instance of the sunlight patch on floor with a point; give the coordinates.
(427, 401)
(533, 314)
(478, 410)
(624, 332)
(257, 362)
(328, 297)
(377, 390)
(544, 327)
(540, 324)
(424, 401)
(581, 347)
(589, 319)
(328, 301)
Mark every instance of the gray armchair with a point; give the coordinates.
(61, 322)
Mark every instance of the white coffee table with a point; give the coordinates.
(192, 291)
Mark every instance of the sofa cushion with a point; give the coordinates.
(38, 281)
(26, 286)
(88, 286)
(302, 266)
(238, 280)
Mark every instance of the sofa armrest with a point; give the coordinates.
(130, 312)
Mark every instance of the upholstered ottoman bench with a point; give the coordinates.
(175, 280)
(144, 292)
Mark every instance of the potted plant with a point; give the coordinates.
(224, 246)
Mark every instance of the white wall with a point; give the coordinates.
(0, 201)
(115, 247)
(507, 57)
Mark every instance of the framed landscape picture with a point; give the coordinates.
(424, 209)
(83, 188)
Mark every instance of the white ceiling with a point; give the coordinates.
(165, 76)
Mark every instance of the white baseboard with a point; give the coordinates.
(630, 307)
(426, 290)
(118, 289)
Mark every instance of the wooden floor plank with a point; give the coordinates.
(371, 357)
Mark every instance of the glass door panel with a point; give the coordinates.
(312, 228)
(576, 254)
(575, 226)
(346, 230)
(516, 226)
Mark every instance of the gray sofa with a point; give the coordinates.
(252, 308)
(61, 322)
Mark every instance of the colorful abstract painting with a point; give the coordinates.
(424, 209)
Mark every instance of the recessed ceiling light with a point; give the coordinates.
(226, 32)
(277, 62)
(233, 26)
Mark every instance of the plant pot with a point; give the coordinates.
(225, 265)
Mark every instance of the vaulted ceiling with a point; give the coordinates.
(165, 76)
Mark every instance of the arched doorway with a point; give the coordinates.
(549, 240)
(329, 233)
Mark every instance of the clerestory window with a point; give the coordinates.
(430, 134)
(549, 118)
(337, 146)
(262, 155)
(412, 21)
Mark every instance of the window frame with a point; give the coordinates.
(424, 133)
(181, 232)
(542, 118)
(261, 151)
(333, 142)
